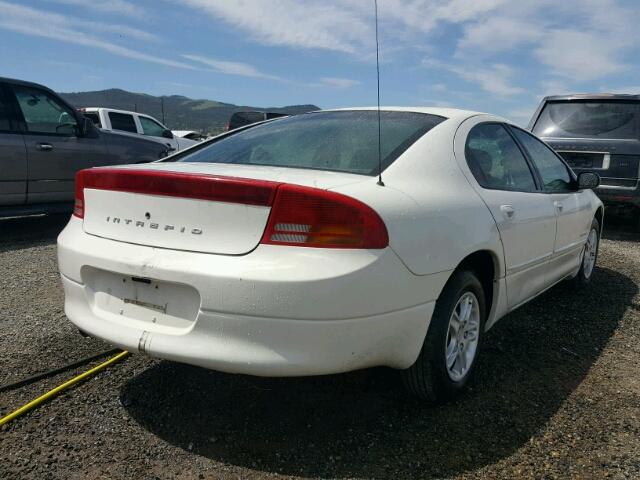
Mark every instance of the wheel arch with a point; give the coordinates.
(599, 215)
(485, 264)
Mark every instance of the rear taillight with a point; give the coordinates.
(308, 217)
(78, 206)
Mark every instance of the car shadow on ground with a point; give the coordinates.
(361, 424)
(620, 227)
(27, 232)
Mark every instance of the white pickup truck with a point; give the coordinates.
(135, 124)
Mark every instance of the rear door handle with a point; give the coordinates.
(44, 147)
(507, 211)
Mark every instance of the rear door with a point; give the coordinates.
(13, 156)
(573, 209)
(54, 151)
(524, 215)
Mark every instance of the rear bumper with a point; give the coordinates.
(279, 311)
(619, 196)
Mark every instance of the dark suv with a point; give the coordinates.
(240, 119)
(598, 133)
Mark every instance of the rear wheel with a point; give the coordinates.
(448, 356)
(589, 255)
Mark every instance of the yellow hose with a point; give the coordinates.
(52, 393)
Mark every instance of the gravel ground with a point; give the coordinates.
(557, 395)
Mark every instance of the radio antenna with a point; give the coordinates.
(380, 182)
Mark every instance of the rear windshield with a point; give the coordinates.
(345, 141)
(587, 119)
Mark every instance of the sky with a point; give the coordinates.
(497, 56)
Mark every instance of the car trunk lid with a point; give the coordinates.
(186, 207)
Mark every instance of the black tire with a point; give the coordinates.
(584, 277)
(428, 378)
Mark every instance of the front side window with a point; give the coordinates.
(122, 121)
(151, 127)
(43, 113)
(343, 141)
(555, 174)
(496, 161)
(5, 113)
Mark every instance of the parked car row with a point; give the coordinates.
(44, 142)
(322, 242)
(134, 123)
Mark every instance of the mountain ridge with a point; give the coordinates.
(180, 112)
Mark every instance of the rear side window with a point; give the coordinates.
(496, 161)
(150, 127)
(44, 113)
(94, 117)
(589, 118)
(554, 173)
(122, 121)
(343, 141)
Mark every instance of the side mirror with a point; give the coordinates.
(588, 180)
(69, 129)
(167, 134)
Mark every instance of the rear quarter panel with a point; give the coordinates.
(434, 217)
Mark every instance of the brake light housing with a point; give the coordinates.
(310, 217)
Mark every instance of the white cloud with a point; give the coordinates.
(632, 90)
(337, 82)
(120, 30)
(496, 34)
(494, 78)
(579, 40)
(579, 55)
(573, 41)
(230, 68)
(293, 23)
(66, 29)
(119, 7)
(521, 116)
(339, 25)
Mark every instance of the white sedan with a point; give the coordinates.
(274, 250)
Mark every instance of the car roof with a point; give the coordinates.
(449, 113)
(593, 96)
(24, 82)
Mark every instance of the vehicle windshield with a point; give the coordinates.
(612, 119)
(343, 141)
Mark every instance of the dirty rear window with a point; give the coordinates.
(344, 141)
(613, 119)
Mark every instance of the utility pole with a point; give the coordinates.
(162, 108)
